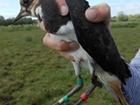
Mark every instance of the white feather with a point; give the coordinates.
(38, 11)
(67, 33)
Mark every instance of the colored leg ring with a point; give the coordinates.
(84, 96)
(66, 98)
(80, 81)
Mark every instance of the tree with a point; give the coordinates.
(2, 20)
(137, 16)
(122, 17)
(8, 21)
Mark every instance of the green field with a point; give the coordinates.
(32, 74)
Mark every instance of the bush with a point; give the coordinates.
(124, 24)
(122, 17)
(18, 28)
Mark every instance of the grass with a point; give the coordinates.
(32, 74)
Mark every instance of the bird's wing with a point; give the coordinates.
(96, 39)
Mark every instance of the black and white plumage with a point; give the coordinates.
(97, 47)
(96, 39)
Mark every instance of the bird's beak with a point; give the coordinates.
(22, 14)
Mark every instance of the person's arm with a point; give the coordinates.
(95, 13)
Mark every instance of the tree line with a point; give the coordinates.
(121, 16)
(10, 21)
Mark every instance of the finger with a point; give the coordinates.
(59, 45)
(63, 8)
(41, 25)
(99, 13)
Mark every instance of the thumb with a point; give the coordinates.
(99, 13)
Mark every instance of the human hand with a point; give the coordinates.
(97, 13)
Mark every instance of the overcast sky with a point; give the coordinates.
(10, 8)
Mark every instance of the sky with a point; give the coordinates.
(10, 8)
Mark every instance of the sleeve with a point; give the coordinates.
(136, 60)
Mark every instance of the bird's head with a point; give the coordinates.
(27, 8)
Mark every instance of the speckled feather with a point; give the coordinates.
(96, 39)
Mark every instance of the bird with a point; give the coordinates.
(97, 50)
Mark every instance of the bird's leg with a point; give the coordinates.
(72, 92)
(91, 87)
(89, 90)
(92, 72)
(76, 88)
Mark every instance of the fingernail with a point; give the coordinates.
(63, 10)
(73, 45)
(91, 14)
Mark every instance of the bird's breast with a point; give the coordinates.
(67, 33)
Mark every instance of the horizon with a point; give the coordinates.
(10, 9)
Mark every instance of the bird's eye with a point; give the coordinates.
(26, 1)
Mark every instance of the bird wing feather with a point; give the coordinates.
(96, 39)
